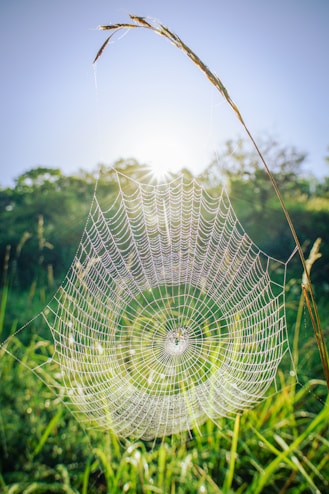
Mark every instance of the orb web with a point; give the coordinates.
(169, 314)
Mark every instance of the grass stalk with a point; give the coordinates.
(233, 453)
(141, 22)
(49, 429)
(86, 476)
(162, 465)
(261, 480)
(5, 289)
(106, 467)
(3, 305)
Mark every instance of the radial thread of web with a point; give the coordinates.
(168, 315)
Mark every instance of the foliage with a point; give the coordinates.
(256, 204)
(240, 163)
(43, 216)
(281, 446)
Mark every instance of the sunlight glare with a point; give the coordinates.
(159, 172)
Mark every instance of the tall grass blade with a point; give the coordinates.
(296, 462)
(230, 472)
(141, 22)
(3, 305)
(86, 475)
(50, 427)
(162, 465)
(261, 480)
(4, 294)
(106, 467)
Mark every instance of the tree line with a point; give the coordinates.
(44, 213)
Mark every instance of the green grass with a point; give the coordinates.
(280, 446)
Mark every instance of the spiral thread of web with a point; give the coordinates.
(168, 315)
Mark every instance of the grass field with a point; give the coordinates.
(281, 446)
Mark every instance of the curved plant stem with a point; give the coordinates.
(142, 22)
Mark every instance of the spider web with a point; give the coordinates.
(169, 314)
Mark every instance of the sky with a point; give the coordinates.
(144, 99)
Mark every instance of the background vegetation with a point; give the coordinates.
(281, 446)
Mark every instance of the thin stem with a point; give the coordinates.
(141, 22)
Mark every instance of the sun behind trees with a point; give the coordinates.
(54, 439)
(63, 203)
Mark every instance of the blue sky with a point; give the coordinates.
(144, 99)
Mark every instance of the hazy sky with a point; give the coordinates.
(144, 99)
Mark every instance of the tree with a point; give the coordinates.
(44, 214)
(239, 166)
(252, 194)
(38, 177)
